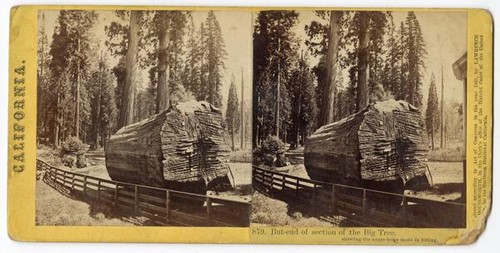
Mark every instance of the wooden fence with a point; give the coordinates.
(361, 206)
(162, 206)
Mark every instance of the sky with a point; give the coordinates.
(445, 37)
(236, 27)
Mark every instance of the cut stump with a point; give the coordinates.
(182, 148)
(382, 147)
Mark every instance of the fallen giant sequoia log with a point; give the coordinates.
(382, 147)
(181, 148)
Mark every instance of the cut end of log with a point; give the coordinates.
(384, 142)
(185, 143)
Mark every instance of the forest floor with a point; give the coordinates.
(453, 152)
(447, 178)
(56, 207)
(445, 165)
(268, 211)
(241, 171)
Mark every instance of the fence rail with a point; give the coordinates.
(160, 205)
(361, 206)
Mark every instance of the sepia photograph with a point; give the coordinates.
(359, 118)
(254, 125)
(144, 118)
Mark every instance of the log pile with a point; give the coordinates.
(383, 143)
(182, 145)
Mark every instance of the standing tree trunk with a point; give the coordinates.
(297, 118)
(432, 134)
(128, 97)
(78, 80)
(232, 133)
(242, 121)
(363, 60)
(98, 127)
(328, 110)
(299, 101)
(162, 94)
(442, 109)
(278, 92)
(58, 120)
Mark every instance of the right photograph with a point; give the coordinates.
(359, 118)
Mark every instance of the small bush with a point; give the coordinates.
(272, 144)
(73, 153)
(73, 146)
(271, 152)
(69, 161)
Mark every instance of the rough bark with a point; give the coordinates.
(242, 119)
(432, 134)
(162, 99)
(442, 110)
(128, 95)
(328, 110)
(232, 136)
(363, 61)
(78, 84)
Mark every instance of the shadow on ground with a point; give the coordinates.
(98, 209)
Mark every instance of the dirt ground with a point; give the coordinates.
(242, 191)
(55, 208)
(447, 178)
(267, 211)
(241, 171)
(448, 182)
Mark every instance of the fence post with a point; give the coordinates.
(64, 178)
(297, 187)
(283, 184)
(72, 181)
(116, 194)
(313, 194)
(364, 204)
(98, 189)
(405, 217)
(271, 181)
(167, 206)
(136, 198)
(315, 190)
(209, 211)
(84, 185)
(334, 200)
(266, 179)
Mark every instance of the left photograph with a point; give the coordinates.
(144, 118)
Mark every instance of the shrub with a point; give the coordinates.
(73, 153)
(272, 144)
(271, 152)
(73, 146)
